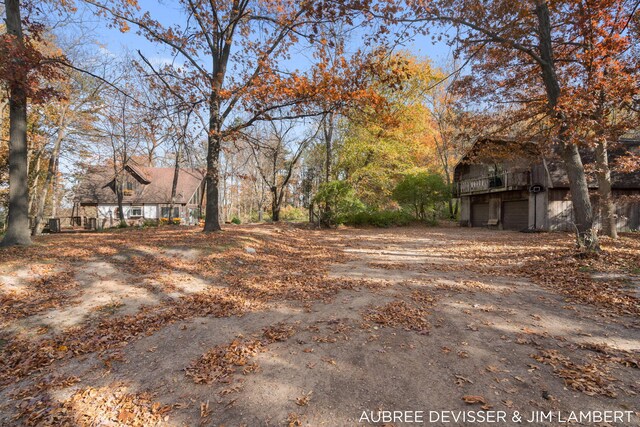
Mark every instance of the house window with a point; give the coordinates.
(495, 176)
(495, 169)
(136, 212)
(128, 189)
(165, 210)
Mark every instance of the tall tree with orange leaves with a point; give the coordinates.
(22, 71)
(605, 81)
(233, 56)
(384, 141)
(554, 63)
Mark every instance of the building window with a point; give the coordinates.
(164, 212)
(495, 176)
(136, 212)
(128, 189)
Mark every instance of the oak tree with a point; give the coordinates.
(536, 56)
(23, 75)
(233, 56)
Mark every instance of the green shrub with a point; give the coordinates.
(150, 223)
(174, 221)
(337, 200)
(424, 193)
(291, 213)
(236, 220)
(254, 217)
(382, 219)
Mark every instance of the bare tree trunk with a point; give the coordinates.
(174, 184)
(18, 219)
(54, 189)
(261, 202)
(3, 105)
(33, 191)
(212, 216)
(120, 196)
(227, 196)
(311, 213)
(119, 172)
(275, 204)
(607, 206)
(118, 188)
(328, 139)
(51, 169)
(579, 194)
(453, 210)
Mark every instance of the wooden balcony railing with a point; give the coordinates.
(500, 182)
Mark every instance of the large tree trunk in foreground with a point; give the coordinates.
(579, 189)
(18, 232)
(586, 238)
(607, 206)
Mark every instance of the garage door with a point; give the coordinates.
(515, 215)
(479, 214)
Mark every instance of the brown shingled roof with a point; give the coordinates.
(481, 150)
(155, 185)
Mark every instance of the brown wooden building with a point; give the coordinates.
(508, 185)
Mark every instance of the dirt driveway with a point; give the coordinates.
(278, 325)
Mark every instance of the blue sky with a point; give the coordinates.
(167, 12)
(113, 43)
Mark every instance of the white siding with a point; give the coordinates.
(151, 211)
(538, 208)
(561, 211)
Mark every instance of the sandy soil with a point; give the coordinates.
(410, 319)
